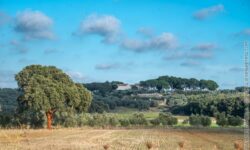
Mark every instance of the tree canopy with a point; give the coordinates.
(179, 83)
(49, 89)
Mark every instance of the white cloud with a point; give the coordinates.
(204, 47)
(163, 42)
(106, 66)
(106, 26)
(76, 76)
(34, 25)
(207, 12)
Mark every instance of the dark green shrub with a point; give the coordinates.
(195, 120)
(206, 121)
(65, 119)
(124, 122)
(83, 119)
(167, 119)
(113, 121)
(5, 121)
(99, 120)
(235, 121)
(155, 122)
(138, 119)
(221, 119)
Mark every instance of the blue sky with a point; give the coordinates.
(126, 40)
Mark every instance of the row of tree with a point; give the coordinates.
(166, 82)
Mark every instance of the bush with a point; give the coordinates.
(99, 120)
(167, 119)
(5, 120)
(113, 121)
(205, 121)
(66, 119)
(138, 119)
(195, 120)
(221, 119)
(155, 122)
(83, 119)
(235, 121)
(124, 122)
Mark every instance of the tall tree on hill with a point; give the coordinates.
(48, 89)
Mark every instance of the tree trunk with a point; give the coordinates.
(49, 115)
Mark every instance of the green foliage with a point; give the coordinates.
(179, 83)
(116, 99)
(103, 120)
(212, 103)
(167, 119)
(82, 119)
(206, 121)
(138, 119)
(8, 103)
(5, 120)
(102, 88)
(113, 121)
(197, 120)
(155, 122)
(176, 100)
(221, 119)
(124, 122)
(99, 120)
(48, 88)
(235, 121)
(66, 119)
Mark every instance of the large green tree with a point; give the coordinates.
(49, 89)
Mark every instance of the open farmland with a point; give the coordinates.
(118, 139)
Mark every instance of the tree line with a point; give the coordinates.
(209, 104)
(166, 82)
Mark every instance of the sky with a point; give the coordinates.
(124, 40)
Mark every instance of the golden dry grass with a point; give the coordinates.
(117, 139)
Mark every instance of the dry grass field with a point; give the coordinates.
(119, 139)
